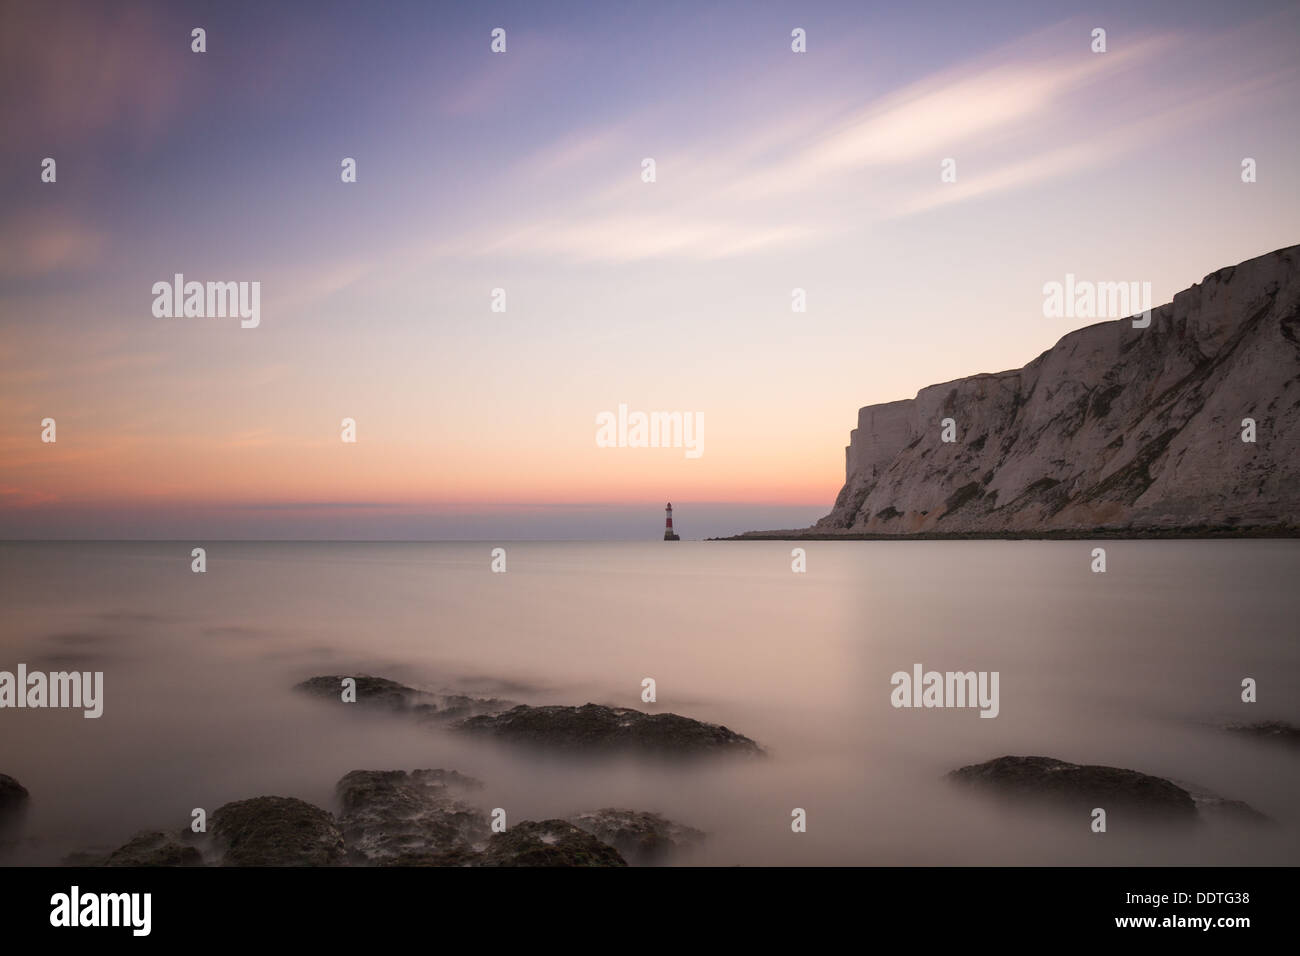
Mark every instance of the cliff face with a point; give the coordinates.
(1113, 427)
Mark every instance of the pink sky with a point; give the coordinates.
(775, 171)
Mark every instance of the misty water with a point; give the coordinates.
(1139, 667)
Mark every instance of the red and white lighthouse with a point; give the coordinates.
(669, 534)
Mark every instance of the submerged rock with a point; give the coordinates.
(399, 818)
(154, 849)
(1217, 809)
(642, 838)
(14, 800)
(1274, 731)
(1081, 787)
(276, 831)
(92, 856)
(456, 857)
(547, 843)
(380, 693)
(595, 727)
(395, 818)
(375, 692)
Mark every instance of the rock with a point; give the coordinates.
(547, 843)
(1216, 809)
(459, 706)
(276, 831)
(373, 692)
(392, 817)
(1079, 788)
(597, 728)
(1273, 731)
(94, 856)
(457, 857)
(1114, 428)
(154, 849)
(380, 693)
(395, 818)
(642, 838)
(14, 800)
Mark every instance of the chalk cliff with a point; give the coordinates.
(1114, 427)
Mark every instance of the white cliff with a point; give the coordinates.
(1114, 427)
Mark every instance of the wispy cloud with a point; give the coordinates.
(632, 238)
(1013, 118)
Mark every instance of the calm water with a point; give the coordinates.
(1133, 668)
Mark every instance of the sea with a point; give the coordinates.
(1140, 666)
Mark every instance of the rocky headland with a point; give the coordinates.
(1116, 430)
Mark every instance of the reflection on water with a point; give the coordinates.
(1137, 667)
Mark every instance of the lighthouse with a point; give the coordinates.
(669, 533)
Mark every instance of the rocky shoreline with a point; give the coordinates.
(432, 818)
(396, 818)
(400, 818)
(437, 817)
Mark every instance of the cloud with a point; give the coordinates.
(33, 245)
(629, 239)
(1043, 107)
(978, 103)
(792, 176)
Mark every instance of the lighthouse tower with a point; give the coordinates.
(669, 533)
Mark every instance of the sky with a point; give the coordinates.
(523, 171)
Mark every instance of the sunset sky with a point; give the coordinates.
(522, 171)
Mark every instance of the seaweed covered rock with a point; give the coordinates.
(598, 728)
(1216, 809)
(1271, 731)
(276, 831)
(154, 848)
(382, 694)
(14, 800)
(1080, 787)
(416, 818)
(642, 838)
(378, 692)
(548, 843)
